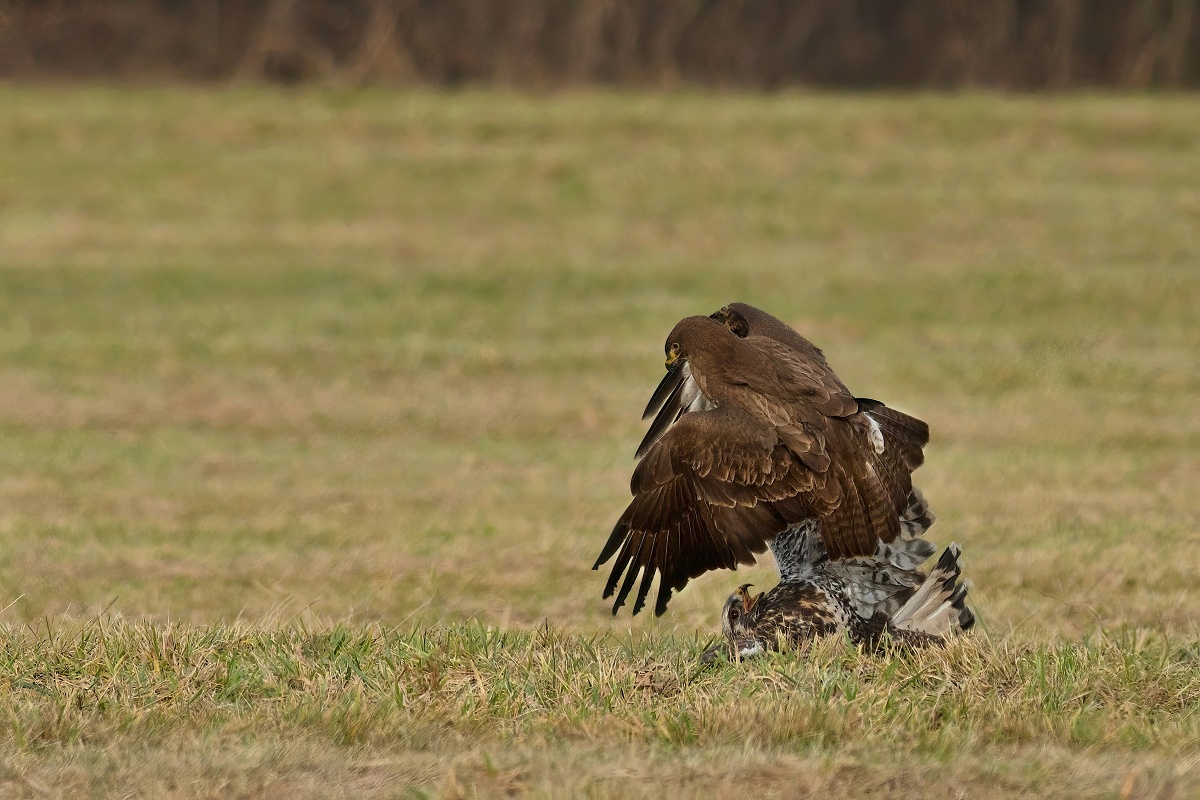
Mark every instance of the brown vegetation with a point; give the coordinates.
(1013, 44)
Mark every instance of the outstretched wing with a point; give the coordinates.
(710, 494)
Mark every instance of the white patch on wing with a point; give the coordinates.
(686, 398)
(752, 650)
(875, 435)
(690, 396)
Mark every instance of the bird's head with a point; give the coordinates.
(733, 317)
(738, 624)
(736, 617)
(696, 337)
(746, 320)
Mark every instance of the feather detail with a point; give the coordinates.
(939, 606)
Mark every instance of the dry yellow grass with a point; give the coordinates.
(373, 363)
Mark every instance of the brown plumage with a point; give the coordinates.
(904, 437)
(753, 435)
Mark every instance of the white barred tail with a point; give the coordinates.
(938, 607)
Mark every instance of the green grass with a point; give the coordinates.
(496, 707)
(316, 407)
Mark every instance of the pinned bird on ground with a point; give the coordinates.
(756, 443)
(926, 612)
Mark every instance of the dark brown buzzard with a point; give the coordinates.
(753, 437)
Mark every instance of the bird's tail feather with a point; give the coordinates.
(917, 518)
(884, 582)
(938, 606)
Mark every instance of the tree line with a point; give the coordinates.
(870, 44)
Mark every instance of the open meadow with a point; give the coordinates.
(316, 408)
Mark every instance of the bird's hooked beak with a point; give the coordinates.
(748, 600)
(672, 357)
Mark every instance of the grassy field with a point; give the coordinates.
(315, 409)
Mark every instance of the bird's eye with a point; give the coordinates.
(675, 348)
(734, 614)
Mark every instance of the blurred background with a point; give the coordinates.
(759, 44)
(374, 346)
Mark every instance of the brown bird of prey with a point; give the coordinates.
(831, 600)
(757, 443)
